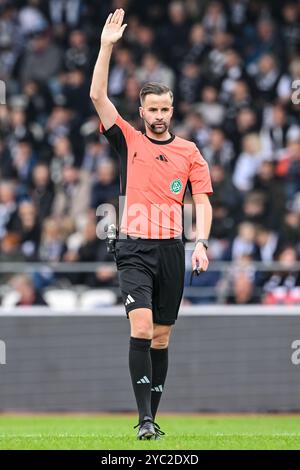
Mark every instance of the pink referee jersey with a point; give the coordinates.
(153, 178)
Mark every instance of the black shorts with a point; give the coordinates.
(151, 275)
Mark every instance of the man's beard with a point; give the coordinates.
(159, 129)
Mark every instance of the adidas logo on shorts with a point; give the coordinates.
(129, 300)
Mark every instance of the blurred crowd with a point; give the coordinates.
(233, 66)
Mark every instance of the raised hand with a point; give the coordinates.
(113, 28)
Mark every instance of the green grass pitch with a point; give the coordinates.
(185, 432)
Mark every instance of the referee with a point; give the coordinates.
(155, 168)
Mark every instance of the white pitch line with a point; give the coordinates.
(284, 434)
(40, 436)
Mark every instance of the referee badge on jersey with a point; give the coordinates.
(176, 186)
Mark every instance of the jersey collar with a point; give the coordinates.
(161, 142)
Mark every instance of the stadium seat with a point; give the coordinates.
(98, 298)
(10, 299)
(61, 299)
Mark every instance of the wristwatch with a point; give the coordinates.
(204, 242)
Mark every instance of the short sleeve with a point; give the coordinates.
(199, 176)
(119, 133)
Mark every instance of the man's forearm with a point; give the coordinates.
(203, 218)
(101, 71)
(203, 224)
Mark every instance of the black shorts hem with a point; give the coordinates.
(135, 306)
(162, 322)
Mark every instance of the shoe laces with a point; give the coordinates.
(158, 431)
(143, 422)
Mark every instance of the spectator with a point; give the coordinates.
(267, 242)
(27, 294)
(63, 156)
(254, 207)
(38, 102)
(42, 191)
(221, 41)
(27, 226)
(42, 61)
(238, 10)
(197, 129)
(210, 109)
(90, 249)
(73, 194)
(288, 167)
(24, 160)
(233, 71)
(8, 206)
(198, 47)
(10, 40)
(52, 244)
(267, 183)
(290, 29)
(269, 81)
(224, 191)
(10, 252)
(143, 42)
(18, 128)
(267, 39)
(76, 93)
(245, 122)
(214, 19)
(290, 229)
(188, 86)
(240, 98)
(130, 102)
(96, 150)
(31, 19)
(248, 163)
(275, 135)
(67, 11)
(173, 35)
(60, 123)
(77, 54)
(282, 286)
(223, 226)
(121, 69)
(106, 187)
(244, 242)
(242, 291)
(7, 171)
(152, 70)
(219, 150)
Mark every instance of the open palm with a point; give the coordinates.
(113, 28)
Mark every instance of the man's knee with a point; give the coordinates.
(141, 323)
(161, 337)
(142, 331)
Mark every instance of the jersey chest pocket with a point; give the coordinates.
(139, 175)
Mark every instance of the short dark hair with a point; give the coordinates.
(154, 89)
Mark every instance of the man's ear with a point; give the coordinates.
(141, 111)
(172, 110)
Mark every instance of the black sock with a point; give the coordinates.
(141, 374)
(159, 358)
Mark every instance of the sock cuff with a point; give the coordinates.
(140, 344)
(158, 353)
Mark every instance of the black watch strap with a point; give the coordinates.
(204, 242)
